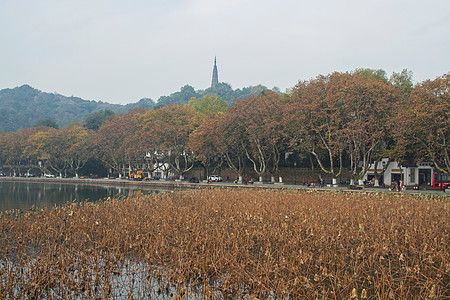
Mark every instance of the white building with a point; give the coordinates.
(162, 171)
(420, 174)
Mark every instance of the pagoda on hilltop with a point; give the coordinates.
(215, 75)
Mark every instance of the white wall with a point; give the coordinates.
(410, 174)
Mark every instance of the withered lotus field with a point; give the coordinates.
(230, 243)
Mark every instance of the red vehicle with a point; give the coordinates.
(441, 181)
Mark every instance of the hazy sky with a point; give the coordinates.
(122, 51)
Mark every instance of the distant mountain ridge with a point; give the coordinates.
(23, 106)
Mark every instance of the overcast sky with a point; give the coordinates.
(122, 51)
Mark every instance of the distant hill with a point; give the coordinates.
(23, 106)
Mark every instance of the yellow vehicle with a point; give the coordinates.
(139, 175)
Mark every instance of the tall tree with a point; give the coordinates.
(13, 148)
(205, 142)
(342, 114)
(51, 147)
(144, 144)
(110, 141)
(134, 154)
(79, 149)
(167, 130)
(316, 122)
(366, 111)
(423, 122)
(259, 124)
(219, 137)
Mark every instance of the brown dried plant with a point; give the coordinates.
(227, 243)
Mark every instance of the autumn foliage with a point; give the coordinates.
(424, 122)
(342, 121)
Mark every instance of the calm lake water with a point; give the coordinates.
(24, 195)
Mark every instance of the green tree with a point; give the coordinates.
(182, 97)
(95, 120)
(226, 92)
(378, 74)
(403, 81)
(47, 123)
(223, 90)
(208, 104)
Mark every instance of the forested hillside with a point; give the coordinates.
(24, 106)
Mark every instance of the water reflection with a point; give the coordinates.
(24, 195)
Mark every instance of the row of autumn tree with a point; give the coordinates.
(342, 120)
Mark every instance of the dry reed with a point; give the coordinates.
(228, 243)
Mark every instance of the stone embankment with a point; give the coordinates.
(177, 184)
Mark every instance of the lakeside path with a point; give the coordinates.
(177, 185)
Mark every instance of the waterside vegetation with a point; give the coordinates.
(227, 243)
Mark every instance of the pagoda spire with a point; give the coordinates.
(215, 76)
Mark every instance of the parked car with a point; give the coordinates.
(49, 175)
(215, 178)
(2, 175)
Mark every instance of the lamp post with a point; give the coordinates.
(295, 173)
(382, 174)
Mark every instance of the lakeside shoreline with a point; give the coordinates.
(102, 182)
(178, 184)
